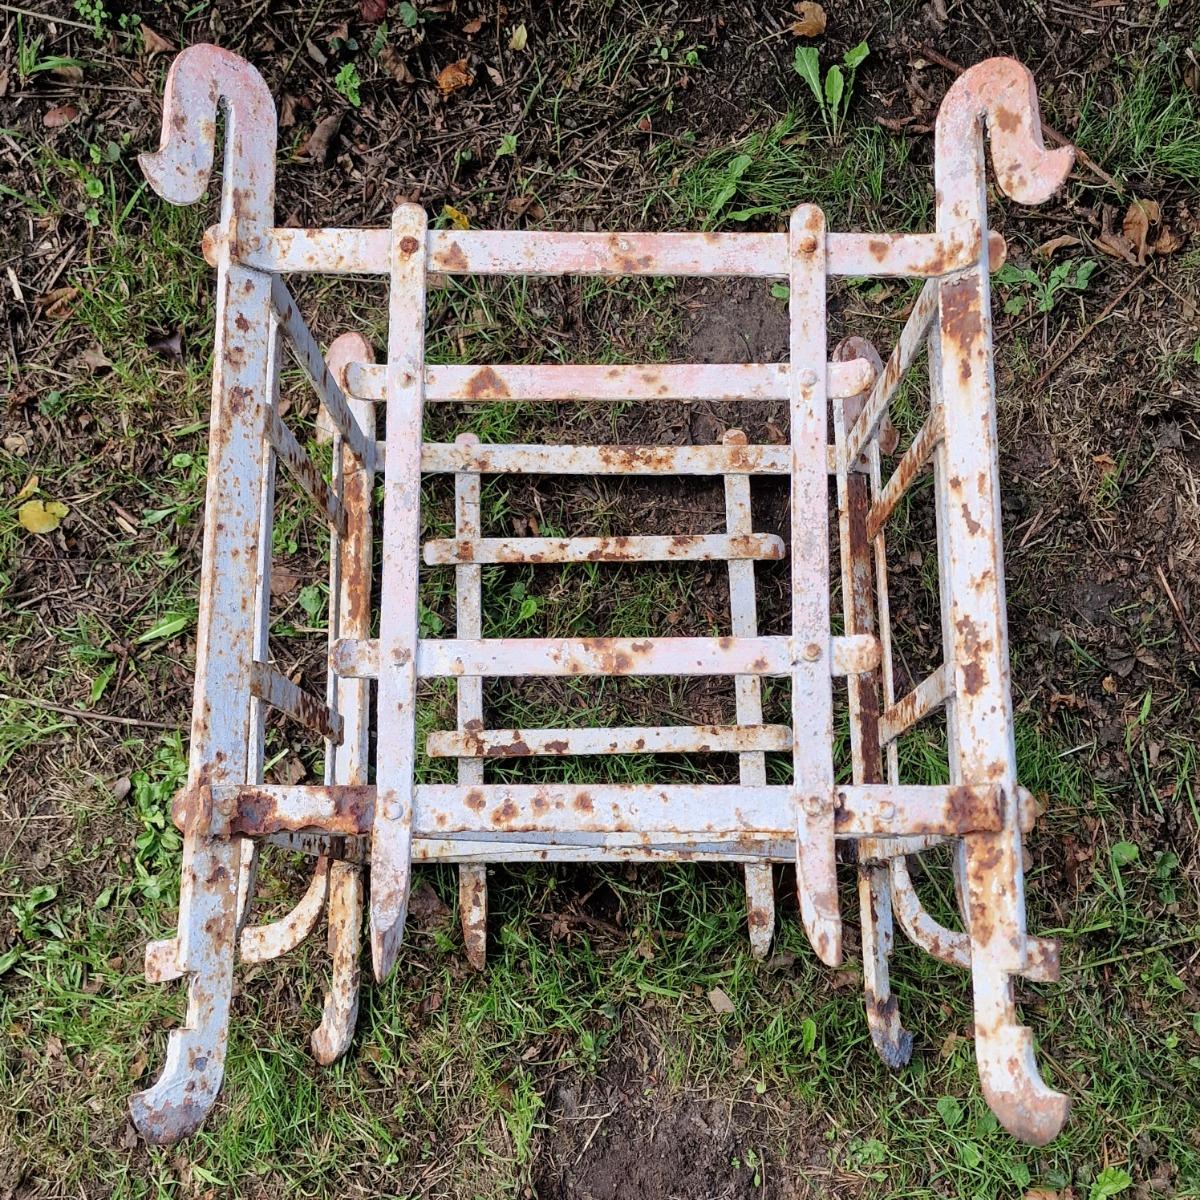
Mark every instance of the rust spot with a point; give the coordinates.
(240, 399)
(973, 526)
(1006, 121)
(408, 245)
(485, 384)
(474, 801)
(557, 746)
(453, 259)
(582, 803)
(879, 248)
(972, 678)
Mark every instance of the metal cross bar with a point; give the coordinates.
(838, 406)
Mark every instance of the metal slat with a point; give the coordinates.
(304, 471)
(277, 690)
(679, 548)
(639, 739)
(511, 657)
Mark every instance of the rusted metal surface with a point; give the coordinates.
(676, 548)
(509, 657)
(226, 810)
(669, 382)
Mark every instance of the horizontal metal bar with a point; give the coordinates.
(541, 252)
(309, 356)
(933, 690)
(651, 739)
(496, 459)
(675, 382)
(510, 657)
(304, 471)
(646, 813)
(911, 463)
(903, 353)
(277, 690)
(679, 548)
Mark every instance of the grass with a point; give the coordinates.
(450, 1087)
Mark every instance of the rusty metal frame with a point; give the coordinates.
(839, 406)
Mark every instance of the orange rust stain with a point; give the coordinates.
(485, 384)
(1006, 121)
(408, 245)
(453, 258)
(582, 803)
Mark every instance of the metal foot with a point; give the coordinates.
(892, 1041)
(331, 1039)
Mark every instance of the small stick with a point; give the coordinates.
(1166, 587)
(107, 718)
(1081, 156)
(1062, 358)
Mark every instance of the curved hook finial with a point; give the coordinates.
(1001, 91)
(202, 79)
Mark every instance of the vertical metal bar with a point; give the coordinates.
(892, 1041)
(812, 692)
(391, 854)
(468, 580)
(1003, 91)
(752, 764)
(220, 737)
(349, 616)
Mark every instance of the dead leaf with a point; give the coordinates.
(1117, 246)
(810, 20)
(67, 74)
(525, 206)
(430, 1003)
(169, 346)
(1135, 227)
(519, 38)
(315, 53)
(41, 516)
(473, 27)
(154, 43)
(373, 11)
(28, 488)
(62, 115)
(287, 110)
(319, 146)
(645, 125)
(454, 76)
(95, 360)
(425, 906)
(1167, 242)
(720, 1002)
(56, 304)
(394, 65)
(1046, 249)
(459, 220)
(16, 444)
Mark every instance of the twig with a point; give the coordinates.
(1166, 587)
(106, 718)
(38, 16)
(1062, 358)
(1081, 156)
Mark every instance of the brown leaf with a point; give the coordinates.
(68, 74)
(287, 110)
(96, 360)
(1167, 242)
(810, 20)
(425, 907)
(373, 11)
(430, 1003)
(319, 146)
(16, 444)
(1135, 227)
(473, 27)
(62, 115)
(1046, 249)
(394, 65)
(1117, 246)
(525, 206)
(56, 304)
(169, 346)
(720, 1001)
(454, 76)
(154, 43)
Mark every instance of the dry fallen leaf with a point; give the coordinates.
(394, 65)
(472, 27)
(525, 206)
(1046, 249)
(319, 147)
(459, 220)
(154, 43)
(810, 20)
(720, 1002)
(520, 37)
(56, 303)
(30, 486)
(1117, 246)
(1135, 227)
(1167, 242)
(41, 516)
(59, 116)
(451, 78)
(67, 74)
(169, 346)
(287, 110)
(373, 10)
(96, 360)
(17, 444)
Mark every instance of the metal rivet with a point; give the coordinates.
(808, 378)
(812, 652)
(806, 243)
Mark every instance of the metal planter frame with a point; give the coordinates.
(225, 809)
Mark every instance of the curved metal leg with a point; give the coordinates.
(261, 943)
(892, 1040)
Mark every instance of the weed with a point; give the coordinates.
(157, 844)
(1026, 285)
(347, 82)
(832, 97)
